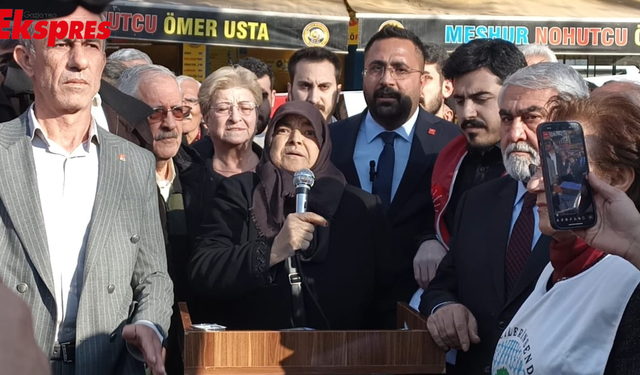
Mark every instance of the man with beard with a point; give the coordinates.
(391, 147)
(496, 250)
(267, 82)
(477, 70)
(437, 88)
(314, 74)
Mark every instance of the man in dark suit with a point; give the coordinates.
(391, 147)
(496, 251)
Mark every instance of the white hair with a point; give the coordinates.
(129, 81)
(529, 50)
(555, 76)
(187, 78)
(129, 54)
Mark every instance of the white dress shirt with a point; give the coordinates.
(97, 112)
(67, 184)
(369, 146)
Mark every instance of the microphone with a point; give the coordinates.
(372, 170)
(303, 180)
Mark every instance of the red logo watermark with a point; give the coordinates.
(56, 29)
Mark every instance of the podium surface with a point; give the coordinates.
(403, 351)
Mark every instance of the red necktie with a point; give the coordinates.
(519, 247)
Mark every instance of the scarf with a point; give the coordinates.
(572, 256)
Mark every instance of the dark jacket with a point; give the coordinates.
(411, 212)
(16, 92)
(351, 281)
(473, 271)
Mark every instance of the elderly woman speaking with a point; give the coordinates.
(338, 247)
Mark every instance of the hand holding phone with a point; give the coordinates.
(565, 167)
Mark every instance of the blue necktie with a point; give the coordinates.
(384, 175)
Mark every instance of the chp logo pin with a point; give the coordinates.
(391, 23)
(315, 34)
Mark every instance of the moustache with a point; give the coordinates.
(473, 123)
(166, 135)
(522, 147)
(386, 92)
(320, 107)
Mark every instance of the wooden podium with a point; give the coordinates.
(404, 351)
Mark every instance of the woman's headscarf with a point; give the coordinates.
(276, 185)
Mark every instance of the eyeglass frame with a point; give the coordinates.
(231, 105)
(165, 111)
(392, 72)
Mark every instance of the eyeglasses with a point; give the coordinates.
(224, 109)
(400, 73)
(179, 112)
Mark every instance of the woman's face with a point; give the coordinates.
(232, 116)
(294, 145)
(536, 186)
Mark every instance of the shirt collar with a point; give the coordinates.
(172, 173)
(34, 127)
(372, 129)
(522, 189)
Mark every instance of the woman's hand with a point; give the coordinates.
(296, 234)
(617, 229)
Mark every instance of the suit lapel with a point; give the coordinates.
(111, 181)
(21, 198)
(534, 266)
(417, 164)
(343, 147)
(498, 235)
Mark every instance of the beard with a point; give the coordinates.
(393, 114)
(434, 105)
(517, 166)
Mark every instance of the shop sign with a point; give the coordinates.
(566, 36)
(214, 26)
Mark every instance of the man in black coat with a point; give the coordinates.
(398, 137)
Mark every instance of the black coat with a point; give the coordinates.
(352, 281)
(411, 213)
(472, 272)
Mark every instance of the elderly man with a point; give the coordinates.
(82, 241)
(537, 53)
(131, 57)
(192, 126)
(496, 250)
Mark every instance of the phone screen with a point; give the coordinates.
(565, 167)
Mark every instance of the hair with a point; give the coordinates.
(435, 54)
(529, 50)
(628, 89)
(184, 78)
(130, 80)
(500, 57)
(228, 77)
(129, 54)
(316, 55)
(615, 122)
(556, 76)
(390, 32)
(112, 71)
(259, 68)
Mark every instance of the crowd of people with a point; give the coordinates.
(127, 189)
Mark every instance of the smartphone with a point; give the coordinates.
(565, 168)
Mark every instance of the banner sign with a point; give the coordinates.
(567, 36)
(216, 26)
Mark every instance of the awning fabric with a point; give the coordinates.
(576, 26)
(241, 23)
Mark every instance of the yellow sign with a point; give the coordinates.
(194, 61)
(354, 32)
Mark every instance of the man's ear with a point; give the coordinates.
(447, 88)
(24, 59)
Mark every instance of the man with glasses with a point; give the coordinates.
(391, 147)
(193, 126)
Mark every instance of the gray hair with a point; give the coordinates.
(112, 71)
(129, 54)
(555, 76)
(183, 78)
(529, 50)
(129, 81)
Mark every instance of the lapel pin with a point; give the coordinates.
(122, 157)
(432, 131)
